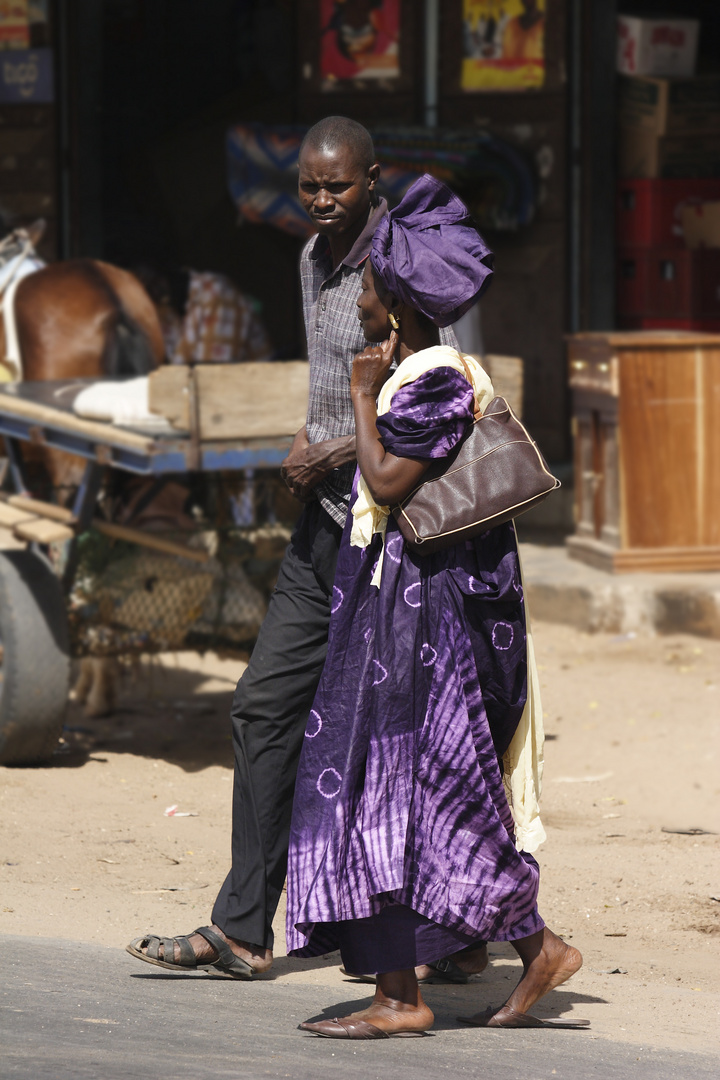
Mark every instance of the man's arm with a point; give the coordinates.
(309, 463)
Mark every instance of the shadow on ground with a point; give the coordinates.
(163, 714)
(446, 1000)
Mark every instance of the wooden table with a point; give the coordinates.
(646, 425)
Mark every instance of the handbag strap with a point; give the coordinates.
(477, 412)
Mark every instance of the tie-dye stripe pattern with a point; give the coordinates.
(399, 796)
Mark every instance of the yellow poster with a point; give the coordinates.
(14, 31)
(503, 44)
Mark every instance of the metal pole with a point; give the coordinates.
(62, 110)
(432, 52)
(575, 223)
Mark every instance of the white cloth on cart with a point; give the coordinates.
(121, 403)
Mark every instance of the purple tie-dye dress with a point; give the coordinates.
(402, 842)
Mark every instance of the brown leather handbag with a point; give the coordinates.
(495, 473)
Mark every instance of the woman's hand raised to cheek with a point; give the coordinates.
(371, 367)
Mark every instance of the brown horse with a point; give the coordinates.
(77, 319)
(85, 318)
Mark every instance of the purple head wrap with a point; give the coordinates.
(428, 253)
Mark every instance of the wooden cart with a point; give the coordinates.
(230, 418)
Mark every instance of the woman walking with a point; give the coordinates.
(403, 843)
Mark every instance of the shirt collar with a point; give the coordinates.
(361, 248)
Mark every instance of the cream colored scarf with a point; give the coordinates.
(523, 760)
(368, 517)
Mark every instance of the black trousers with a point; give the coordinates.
(270, 710)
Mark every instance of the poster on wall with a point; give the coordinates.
(26, 76)
(359, 40)
(503, 44)
(14, 27)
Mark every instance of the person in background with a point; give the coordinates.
(204, 317)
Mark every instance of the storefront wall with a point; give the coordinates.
(147, 92)
(526, 313)
(28, 122)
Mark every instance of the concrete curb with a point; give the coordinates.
(561, 590)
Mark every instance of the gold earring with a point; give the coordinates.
(394, 321)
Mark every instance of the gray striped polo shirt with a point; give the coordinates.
(334, 337)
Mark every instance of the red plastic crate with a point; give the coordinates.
(647, 212)
(668, 283)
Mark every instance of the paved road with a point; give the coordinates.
(71, 1010)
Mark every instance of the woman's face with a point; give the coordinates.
(373, 312)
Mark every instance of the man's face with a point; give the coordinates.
(334, 189)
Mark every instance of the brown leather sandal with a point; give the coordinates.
(491, 1018)
(227, 962)
(354, 1029)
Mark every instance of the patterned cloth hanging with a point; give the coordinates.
(492, 176)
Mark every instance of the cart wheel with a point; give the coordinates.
(35, 655)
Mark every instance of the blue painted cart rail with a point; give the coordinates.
(31, 412)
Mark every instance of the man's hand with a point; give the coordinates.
(372, 366)
(294, 469)
(309, 463)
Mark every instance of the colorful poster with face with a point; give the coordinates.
(14, 30)
(503, 44)
(359, 40)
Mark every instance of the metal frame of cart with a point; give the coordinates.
(33, 615)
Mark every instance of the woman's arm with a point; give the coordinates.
(388, 477)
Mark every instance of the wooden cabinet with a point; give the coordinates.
(646, 427)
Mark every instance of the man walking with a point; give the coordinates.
(337, 181)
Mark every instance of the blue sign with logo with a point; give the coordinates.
(26, 76)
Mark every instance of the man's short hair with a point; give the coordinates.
(341, 133)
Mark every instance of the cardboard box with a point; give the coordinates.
(648, 213)
(701, 225)
(642, 152)
(661, 46)
(670, 106)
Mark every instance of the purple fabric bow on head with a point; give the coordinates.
(428, 253)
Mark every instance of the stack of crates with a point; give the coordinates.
(669, 159)
(661, 284)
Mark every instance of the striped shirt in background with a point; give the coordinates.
(334, 337)
(220, 323)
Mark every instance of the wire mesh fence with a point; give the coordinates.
(127, 599)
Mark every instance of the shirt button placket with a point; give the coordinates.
(321, 305)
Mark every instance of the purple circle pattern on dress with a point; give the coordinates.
(393, 543)
(428, 655)
(338, 597)
(314, 716)
(329, 783)
(503, 636)
(411, 603)
(382, 673)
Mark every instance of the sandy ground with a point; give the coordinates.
(88, 853)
